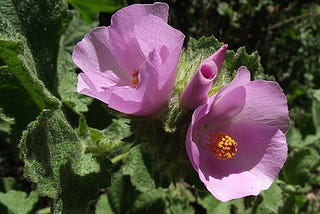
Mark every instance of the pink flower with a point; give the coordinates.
(131, 64)
(236, 141)
(196, 92)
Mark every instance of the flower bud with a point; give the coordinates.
(196, 92)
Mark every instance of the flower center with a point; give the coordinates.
(135, 78)
(222, 146)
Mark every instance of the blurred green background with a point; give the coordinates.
(287, 36)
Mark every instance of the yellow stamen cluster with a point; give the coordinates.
(135, 78)
(222, 146)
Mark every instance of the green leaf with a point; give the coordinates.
(22, 94)
(291, 205)
(138, 166)
(150, 201)
(294, 137)
(174, 199)
(299, 165)
(272, 200)
(109, 141)
(47, 145)
(81, 180)
(7, 183)
(316, 110)
(118, 130)
(214, 206)
(121, 194)
(16, 103)
(5, 122)
(234, 60)
(123, 197)
(15, 53)
(90, 9)
(55, 162)
(103, 205)
(178, 199)
(41, 22)
(18, 202)
(67, 69)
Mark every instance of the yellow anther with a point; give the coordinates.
(222, 146)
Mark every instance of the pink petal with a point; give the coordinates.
(242, 77)
(191, 146)
(226, 108)
(152, 32)
(257, 101)
(127, 52)
(141, 100)
(125, 19)
(93, 53)
(95, 85)
(126, 100)
(262, 151)
(265, 103)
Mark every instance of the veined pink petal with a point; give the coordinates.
(127, 53)
(148, 35)
(94, 53)
(257, 101)
(268, 102)
(242, 77)
(125, 19)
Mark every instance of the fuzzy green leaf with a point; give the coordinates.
(41, 22)
(5, 122)
(150, 201)
(109, 140)
(47, 145)
(121, 194)
(55, 162)
(294, 137)
(103, 205)
(123, 197)
(272, 200)
(214, 206)
(18, 202)
(81, 180)
(16, 103)
(138, 166)
(28, 51)
(118, 130)
(16, 55)
(299, 165)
